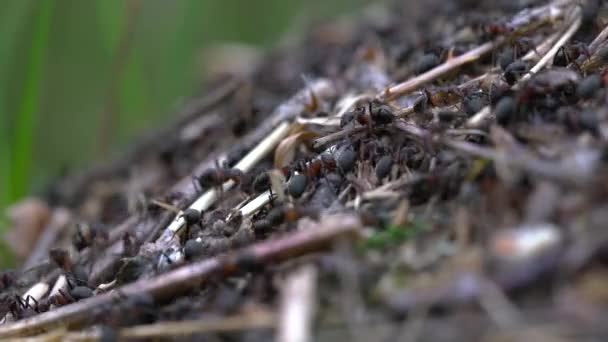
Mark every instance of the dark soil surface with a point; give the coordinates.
(425, 171)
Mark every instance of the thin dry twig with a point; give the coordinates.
(431, 75)
(336, 136)
(298, 305)
(192, 275)
(256, 320)
(598, 40)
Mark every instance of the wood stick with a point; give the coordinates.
(298, 297)
(255, 320)
(545, 13)
(598, 40)
(431, 75)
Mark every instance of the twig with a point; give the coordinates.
(60, 284)
(479, 118)
(472, 55)
(256, 320)
(521, 159)
(114, 252)
(193, 275)
(298, 298)
(598, 40)
(59, 218)
(548, 57)
(166, 206)
(464, 131)
(37, 291)
(255, 204)
(323, 121)
(336, 136)
(431, 75)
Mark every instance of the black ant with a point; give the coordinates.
(374, 113)
(7, 279)
(74, 272)
(570, 53)
(216, 177)
(191, 216)
(312, 169)
(282, 214)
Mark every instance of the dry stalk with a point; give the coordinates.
(443, 69)
(255, 204)
(256, 320)
(298, 297)
(336, 136)
(601, 37)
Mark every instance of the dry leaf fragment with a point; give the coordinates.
(286, 151)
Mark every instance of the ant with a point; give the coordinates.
(426, 63)
(283, 214)
(374, 113)
(556, 81)
(18, 307)
(309, 170)
(570, 53)
(7, 279)
(216, 177)
(73, 271)
(191, 216)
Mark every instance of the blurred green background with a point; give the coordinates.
(66, 64)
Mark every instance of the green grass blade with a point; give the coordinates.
(29, 103)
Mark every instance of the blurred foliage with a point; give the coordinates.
(79, 79)
(394, 235)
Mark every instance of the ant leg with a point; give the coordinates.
(20, 301)
(169, 262)
(36, 306)
(177, 231)
(272, 196)
(69, 282)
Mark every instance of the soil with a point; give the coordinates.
(431, 171)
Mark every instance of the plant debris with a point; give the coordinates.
(417, 167)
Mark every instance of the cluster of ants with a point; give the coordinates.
(299, 175)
